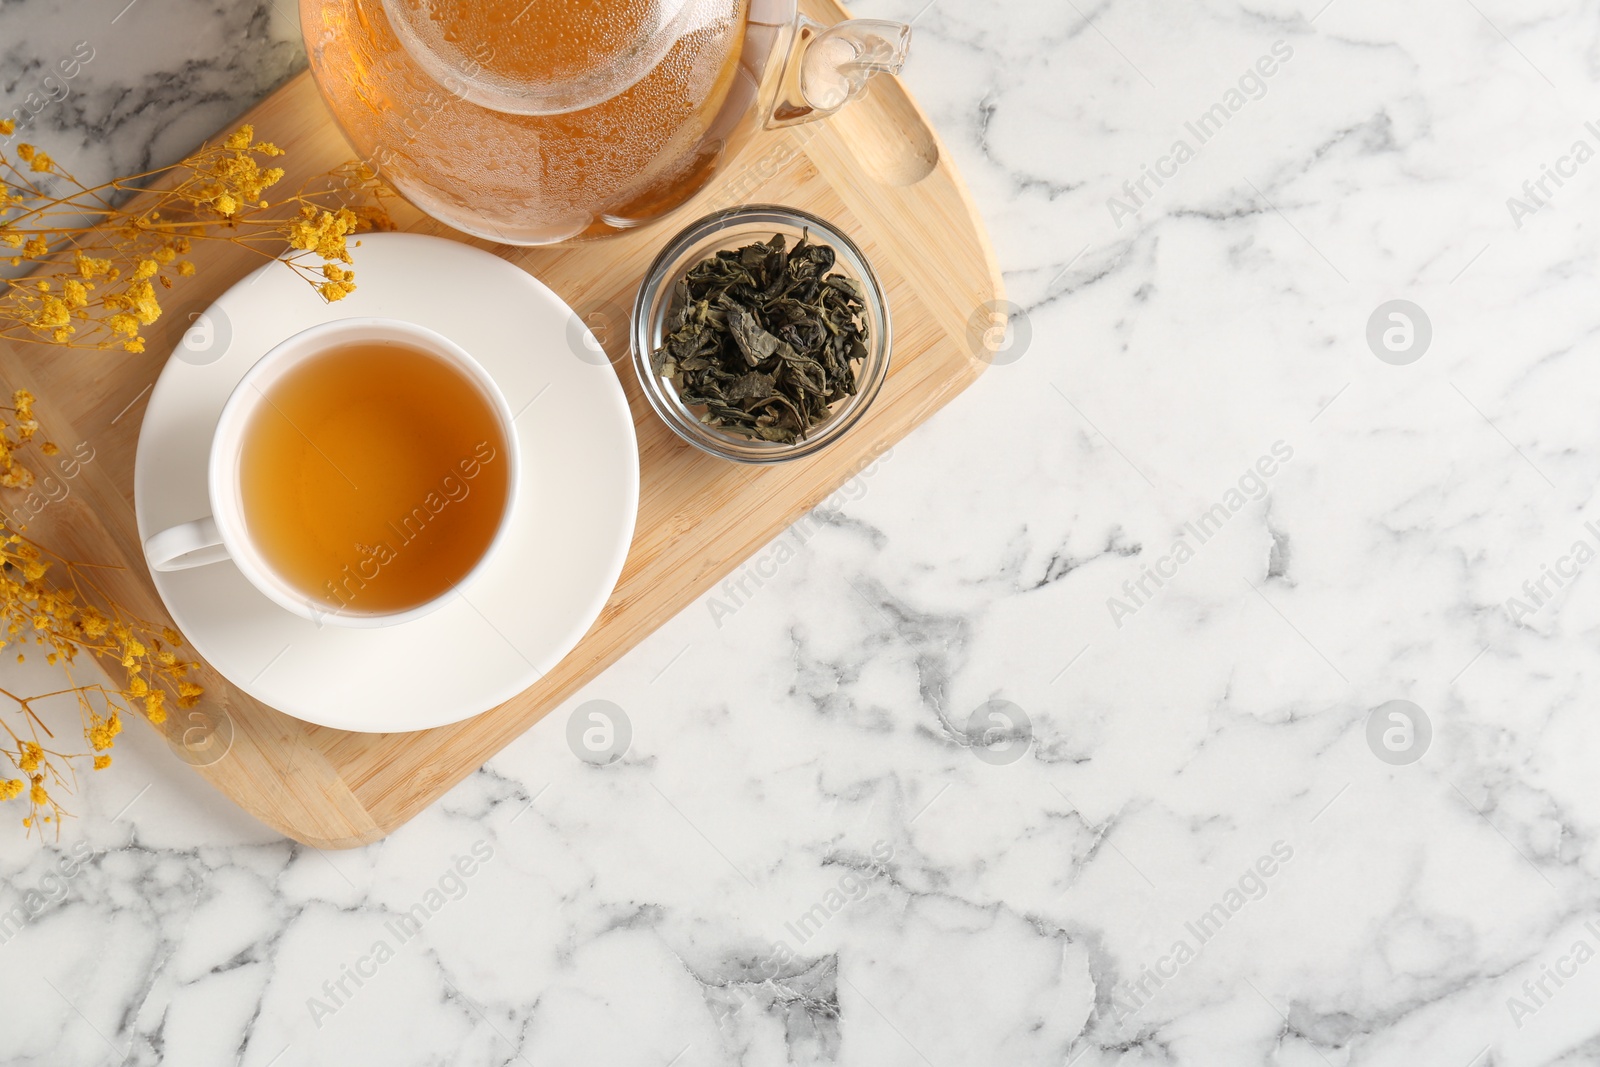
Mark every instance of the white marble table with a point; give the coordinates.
(1212, 843)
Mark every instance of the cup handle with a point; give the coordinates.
(190, 544)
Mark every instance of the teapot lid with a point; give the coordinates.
(544, 57)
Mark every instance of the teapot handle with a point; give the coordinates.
(826, 67)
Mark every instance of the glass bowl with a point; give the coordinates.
(731, 229)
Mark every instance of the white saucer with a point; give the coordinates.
(539, 594)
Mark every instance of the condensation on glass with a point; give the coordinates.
(537, 121)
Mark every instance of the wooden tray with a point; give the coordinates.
(876, 170)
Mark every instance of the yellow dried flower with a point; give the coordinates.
(223, 184)
(141, 300)
(90, 267)
(53, 312)
(102, 734)
(51, 613)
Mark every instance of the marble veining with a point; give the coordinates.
(989, 770)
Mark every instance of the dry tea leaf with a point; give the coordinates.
(764, 339)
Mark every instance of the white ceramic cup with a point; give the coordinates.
(222, 535)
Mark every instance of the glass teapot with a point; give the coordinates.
(536, 121)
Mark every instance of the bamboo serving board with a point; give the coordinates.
(876, 170)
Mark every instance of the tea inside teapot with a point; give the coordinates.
(536, 121)
(549, 56)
